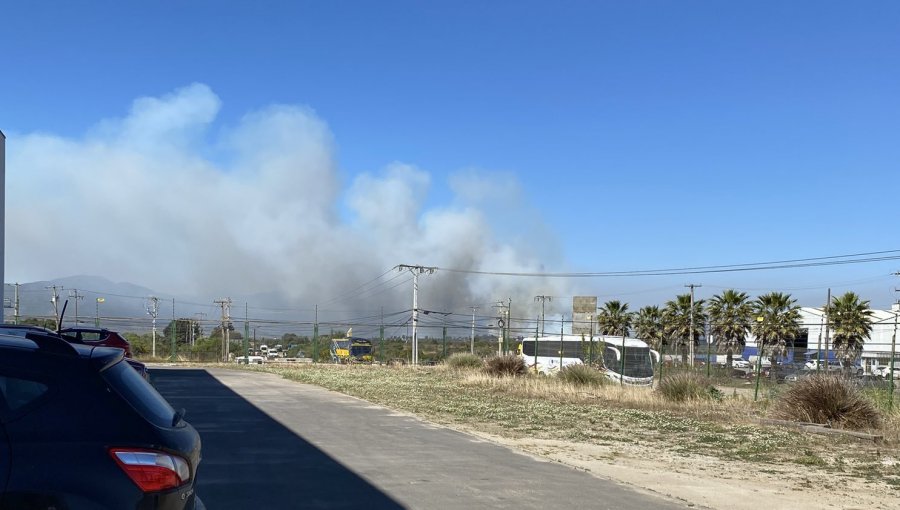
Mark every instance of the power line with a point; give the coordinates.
(357, 288)
(877, 256)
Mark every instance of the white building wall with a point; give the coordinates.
(878, 345)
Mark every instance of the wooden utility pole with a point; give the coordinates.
(225, 303)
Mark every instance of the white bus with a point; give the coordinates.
(550, 353)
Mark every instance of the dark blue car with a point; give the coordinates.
(80, 429)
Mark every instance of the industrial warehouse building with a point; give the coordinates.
(876, 350)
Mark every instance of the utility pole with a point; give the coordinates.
(315, 356)
(416, 271)
(542, 299)
(819, 346)
(225, 303)
(153, 311)
(472, 341)
(508, 322)
(893, 350)
(16, 306)
(173, 349)
(54, 298)
(246, 345)
(692, 285)
(198, 319)
(827, 327)
(501, 327)
(76, 296)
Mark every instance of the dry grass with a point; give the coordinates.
(827, 398)
(687, 386)
(464, 361)
(627, 397)
(582, 375)
(890, 426)
(503, 366)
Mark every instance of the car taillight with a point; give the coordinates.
(152, 470)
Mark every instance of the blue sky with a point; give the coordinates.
(642, 134)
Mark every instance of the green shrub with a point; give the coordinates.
(827, 398)
(582, 375)
(464, 361)
(508, 365)
(683, 386)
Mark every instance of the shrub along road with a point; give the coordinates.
(273, 443)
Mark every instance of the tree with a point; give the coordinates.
(648, 326)
(614, 318)
(852, 323)
(677, 321)
(730, 317)
(182, 330)
(777, 320)
(232, 334)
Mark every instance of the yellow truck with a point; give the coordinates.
(351, 350)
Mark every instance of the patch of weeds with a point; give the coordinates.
(809, 458)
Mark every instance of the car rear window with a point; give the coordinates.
(140, 394)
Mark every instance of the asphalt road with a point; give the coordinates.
(269, 443)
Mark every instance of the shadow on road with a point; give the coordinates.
(252, 461)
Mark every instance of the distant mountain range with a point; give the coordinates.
(124, 306)
(115, 299)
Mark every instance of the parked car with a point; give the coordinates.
(99, 336)
(834, 366)
(740, 363)
(885, 371)
(23, 329)
(80, 429)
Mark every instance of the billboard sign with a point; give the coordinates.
(584, 312)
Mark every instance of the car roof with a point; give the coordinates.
(52, 344)
(30, 327)
(85, 329)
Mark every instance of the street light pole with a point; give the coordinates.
(97, 317)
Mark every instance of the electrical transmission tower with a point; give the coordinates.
(226, 320)
(153, 311)
(416, 271)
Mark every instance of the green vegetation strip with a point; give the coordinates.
(494, 406)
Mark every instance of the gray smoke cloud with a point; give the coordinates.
(161, 198)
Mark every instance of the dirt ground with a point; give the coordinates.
(707, 482)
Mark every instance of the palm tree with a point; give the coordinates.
(677, 320)
(614, 318)
(648, 326)
(730, 316)
(777, 320)
(852, 323)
